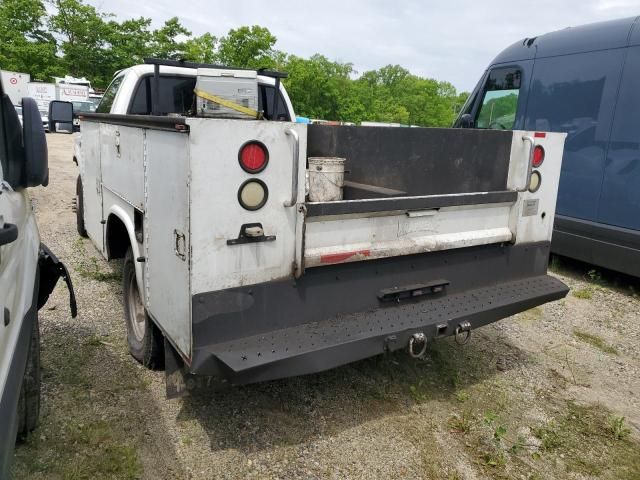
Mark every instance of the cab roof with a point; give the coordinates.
(571, 40)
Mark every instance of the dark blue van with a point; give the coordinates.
(584, 81)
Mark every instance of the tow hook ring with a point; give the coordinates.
(420, 339)
(461, 329)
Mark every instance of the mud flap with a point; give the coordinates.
(176, 377)
(180, 382)
(51, 269)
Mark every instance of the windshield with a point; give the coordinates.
(83, 107)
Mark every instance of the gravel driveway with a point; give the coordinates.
(550, 393)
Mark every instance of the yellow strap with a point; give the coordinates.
(226, 103)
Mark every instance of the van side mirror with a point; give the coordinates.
(60, 113)
(466, 121)
(36, 160)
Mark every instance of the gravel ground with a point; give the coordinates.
(550, 393)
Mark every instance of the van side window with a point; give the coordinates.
(500, 101)
(109, 95)
(175, 95)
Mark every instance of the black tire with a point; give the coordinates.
(29, 402)
(146, 343)
(82, 231)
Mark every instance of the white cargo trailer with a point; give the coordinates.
(15, 85)
(42, 93)
(440, 231)
(72, 93)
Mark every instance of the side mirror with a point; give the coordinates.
(36, 164)
(60, 116)
(466, 121)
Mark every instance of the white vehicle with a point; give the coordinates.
(15, 85)
(28, 272)
(229, 264)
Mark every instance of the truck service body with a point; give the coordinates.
(437, 234)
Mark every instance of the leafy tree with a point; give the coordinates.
(25, 43)
(248, 47)
(77, 39)
(201, 49)
(84, 34)
(165, 41)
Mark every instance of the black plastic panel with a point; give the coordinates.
(322, 345)
(418, 161)
(338, 292)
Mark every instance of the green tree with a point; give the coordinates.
(165, 42)
(25, 43)
(201, 49)
(248, 47)
(84, 35)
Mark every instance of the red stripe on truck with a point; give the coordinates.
(540, 135)
(341, 257)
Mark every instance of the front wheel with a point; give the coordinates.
(143, 337)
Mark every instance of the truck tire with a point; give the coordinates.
(29, 402)
(146, 343)
(82, 231)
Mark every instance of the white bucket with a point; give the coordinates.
(326, 178)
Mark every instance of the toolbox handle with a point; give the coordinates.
(296, 165)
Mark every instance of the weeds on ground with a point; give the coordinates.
(618, 429)
(595, 341)
(462, 422)
(583, 293)
(89, 267)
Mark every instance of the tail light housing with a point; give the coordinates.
(538, 156)
(253, 194)
(253, 157)
(535, 182)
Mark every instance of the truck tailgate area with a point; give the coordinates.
(275, 330)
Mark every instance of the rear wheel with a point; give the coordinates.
(143, 337)
(29, 402)
(82, 231)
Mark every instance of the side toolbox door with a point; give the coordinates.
(92, 181)
(166, 234)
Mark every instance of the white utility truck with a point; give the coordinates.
(197, 177)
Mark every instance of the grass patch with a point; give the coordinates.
(592, 442)
(595, 341)
(81, 451)
(89, 267)
(583, 293)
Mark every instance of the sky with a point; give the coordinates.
(452, 41)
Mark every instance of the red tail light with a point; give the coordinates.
(538, 156)
(253, 157)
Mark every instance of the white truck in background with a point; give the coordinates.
(230, 270)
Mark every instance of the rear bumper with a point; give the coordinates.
(332, 316)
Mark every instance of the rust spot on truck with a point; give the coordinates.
(343, 256)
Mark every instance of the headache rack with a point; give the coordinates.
(157, 62)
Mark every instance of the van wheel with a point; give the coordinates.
(29, 402)
(145, 340)
(82, 231)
